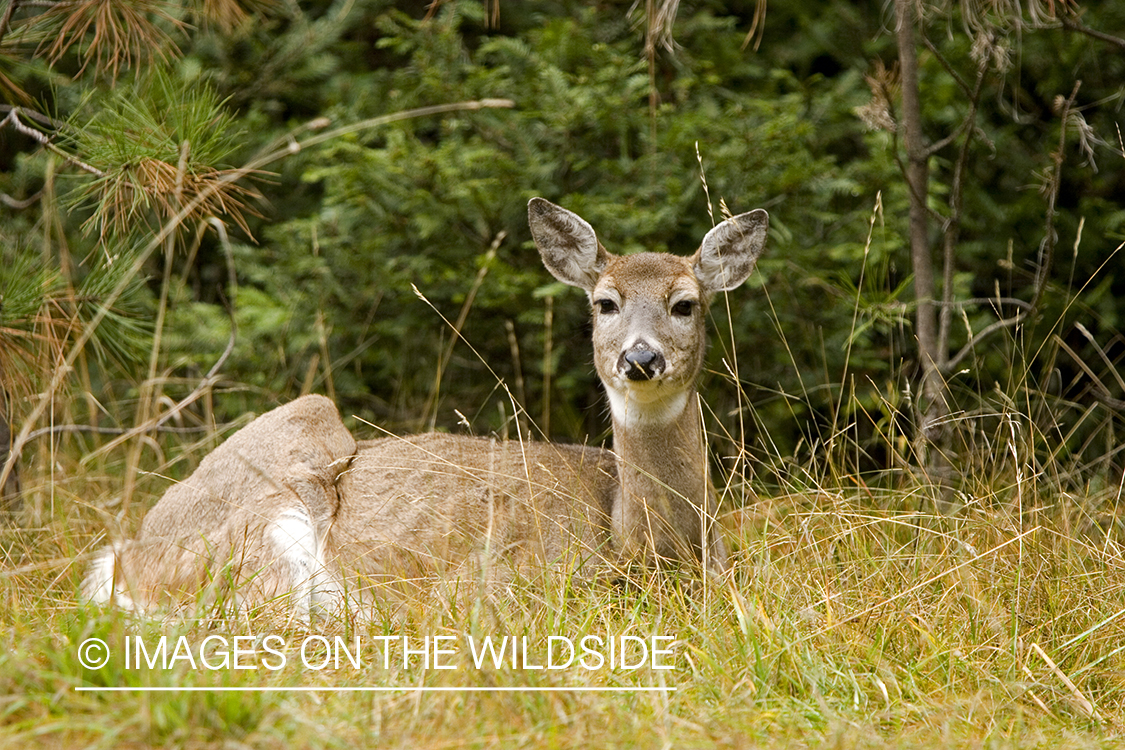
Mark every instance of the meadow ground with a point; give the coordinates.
(859, 618)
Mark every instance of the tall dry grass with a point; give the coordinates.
(891, 609)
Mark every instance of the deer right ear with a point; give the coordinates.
(730, 251)
(567, 244)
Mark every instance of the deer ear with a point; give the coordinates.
(730, 251)
(567, 244)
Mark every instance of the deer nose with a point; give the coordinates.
(641, 362)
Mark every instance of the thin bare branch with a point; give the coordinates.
(961, 82)
(13, 119)
(1075, 25)
(38, 117)
(1049, 239)
(63, 429)
(1013, 301)
(209, 380)
(986, 333)
(1047, 251)
(18, 204)
(952, 228)
(757, 26)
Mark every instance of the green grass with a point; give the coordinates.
(856, 625)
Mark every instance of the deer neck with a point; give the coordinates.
(665, 488)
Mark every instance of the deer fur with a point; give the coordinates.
(292, 507)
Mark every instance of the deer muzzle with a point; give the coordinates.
(641, 362)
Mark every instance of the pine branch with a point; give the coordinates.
(114, 34)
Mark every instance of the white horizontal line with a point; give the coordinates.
(402, 688)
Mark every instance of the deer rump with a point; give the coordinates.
(291, 508)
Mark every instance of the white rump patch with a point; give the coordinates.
(100, 586)
(299, 549)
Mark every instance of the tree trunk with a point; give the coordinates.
(931, 406)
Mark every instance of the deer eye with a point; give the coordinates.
(683, 308)
(606, 306)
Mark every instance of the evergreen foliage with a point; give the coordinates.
(349, 255)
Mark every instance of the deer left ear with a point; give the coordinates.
(567, 244)
(730, 251)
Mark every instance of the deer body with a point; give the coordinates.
(434, 501)
(292, 506)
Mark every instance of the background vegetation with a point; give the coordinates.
(211, 206)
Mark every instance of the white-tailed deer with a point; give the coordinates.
(291, 506)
